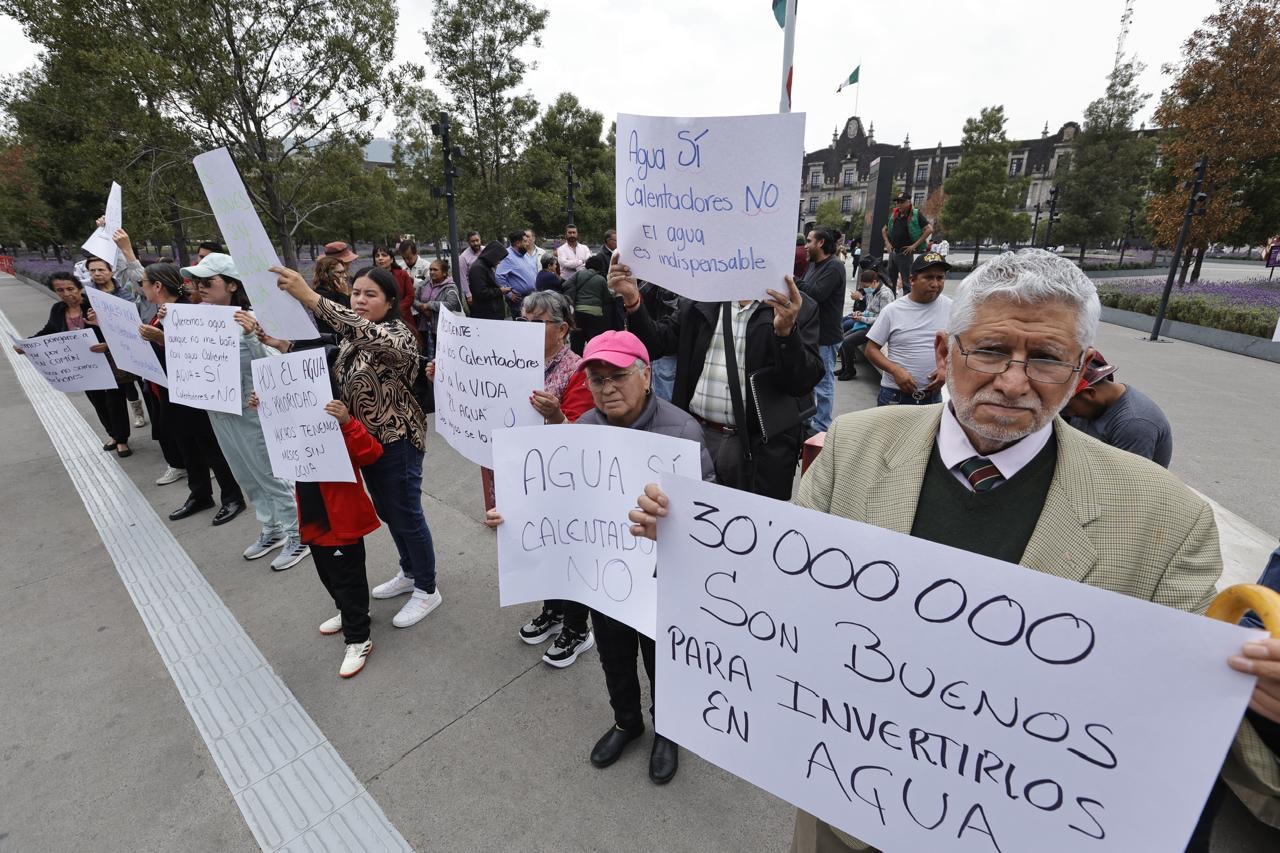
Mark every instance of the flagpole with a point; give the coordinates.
(858, 92)
(788, 54)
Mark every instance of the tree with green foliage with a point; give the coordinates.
(477, 56)
(828, 215)
(981, 198)
(568, 133)
(1108, 167)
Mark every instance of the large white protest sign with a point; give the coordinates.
(564, 493)
(707, 206)
(66, 363)
(486, 371)
(100, 244)
(119, 321)
(924, 698)
(304, 442)
(250, 247)
(202, 353)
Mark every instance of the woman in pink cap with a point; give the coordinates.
(616, 366)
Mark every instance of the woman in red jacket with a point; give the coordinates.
(408, 288)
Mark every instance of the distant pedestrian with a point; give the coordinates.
(901, 340)
(874, 297)
(571, 254)
(383, 258)
(1119, 415)
(487, 301)
(413, 263)
(905, 234)
(517, 274)
(549, 276)
(465, 259)
(824, 283)
(439, 290)
(802, 258)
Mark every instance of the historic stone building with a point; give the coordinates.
(840, 170)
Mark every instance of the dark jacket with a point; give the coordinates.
(662, 417)
(57, 322)
(824, 283)
(798, 368)
(487, 302)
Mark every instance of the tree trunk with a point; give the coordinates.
(1195, 271)
(275, 209)
(1186, 265)
(1082, 256)
(179, 233)
(977, 246)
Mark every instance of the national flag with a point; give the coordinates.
(853, 78)
(780, 12)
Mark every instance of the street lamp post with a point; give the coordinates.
(1053, 215)
(1035, 225)
(571, 185)
(1195, 207)
(441, 129)
(1124, 241)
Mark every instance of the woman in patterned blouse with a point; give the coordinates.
(376, 366)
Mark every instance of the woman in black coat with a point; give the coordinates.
(487, 302)
(70, 314)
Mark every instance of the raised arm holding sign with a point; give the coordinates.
(706, 206)
(66, 361)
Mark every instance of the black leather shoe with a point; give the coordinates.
(227, 511)
(610, 747)
(846, 375)
(191, 507)
(663, 761)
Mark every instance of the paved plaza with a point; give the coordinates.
(127, 729)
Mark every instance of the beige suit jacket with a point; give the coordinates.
(1111, 519)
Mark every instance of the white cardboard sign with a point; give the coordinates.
(920, 697)
(304, 442)
(100, 244)
(202, 354)
(707, 206)
(564, 492)
(279, 313)
(65, 362)
(486, 370)
(119, 321)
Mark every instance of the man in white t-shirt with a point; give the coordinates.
(900, 342)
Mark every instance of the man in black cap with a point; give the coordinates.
(900, 342)
(1119, 415)
(904, 234)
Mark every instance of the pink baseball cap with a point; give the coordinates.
(621, 349)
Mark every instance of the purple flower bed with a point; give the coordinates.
(36, 268)
(1248, 306)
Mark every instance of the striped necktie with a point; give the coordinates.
(981, 473)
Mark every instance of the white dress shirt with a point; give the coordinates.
(954, 447)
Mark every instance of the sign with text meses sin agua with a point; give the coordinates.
(707, 206)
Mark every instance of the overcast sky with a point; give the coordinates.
(923, 72)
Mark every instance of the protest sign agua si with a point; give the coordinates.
(66, 363)
(250, 247)
(119, 321)
(707, 206)
(202, 354)
(486, 370)
(920, 697)
(100, 244)
(304, 442)
(564, 493)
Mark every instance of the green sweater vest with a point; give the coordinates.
(997, 523)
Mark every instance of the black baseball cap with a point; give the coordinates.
(902, 197)
(929, 259)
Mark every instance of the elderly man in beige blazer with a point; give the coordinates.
(998, 473)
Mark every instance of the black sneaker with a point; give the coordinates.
(541, 627)
(567, 647)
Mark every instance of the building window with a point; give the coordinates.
(815, 180)
(813, 204)
(951, 163)
(917, 198)
(846, 204)
(848, 178)
(1015, 166)
(922, 171)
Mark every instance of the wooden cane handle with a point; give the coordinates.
(1234, 601)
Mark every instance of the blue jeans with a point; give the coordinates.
(825, 392)
(1270, 579)
(664, 376)
(894, 397)
(395, 487)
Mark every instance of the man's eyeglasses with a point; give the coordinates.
(599, 383)
(1047, 370)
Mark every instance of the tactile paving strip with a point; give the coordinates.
(294, 790)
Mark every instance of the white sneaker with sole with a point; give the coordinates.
(331, 626)
(139, 419)
(398, 585)
(171, 475)
(268, 541)
(416, 608)
(354, 658)
(294, 552)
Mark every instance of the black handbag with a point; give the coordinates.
(776, 411)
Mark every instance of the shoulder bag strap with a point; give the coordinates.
(735, 384)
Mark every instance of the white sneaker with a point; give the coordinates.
(139, 419)
(294, 552)
(331, 626)
(353, 660)
(171, 475)
(398, 585)
(416, 608)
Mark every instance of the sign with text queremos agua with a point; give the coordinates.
(923, 698)
(707, 206)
